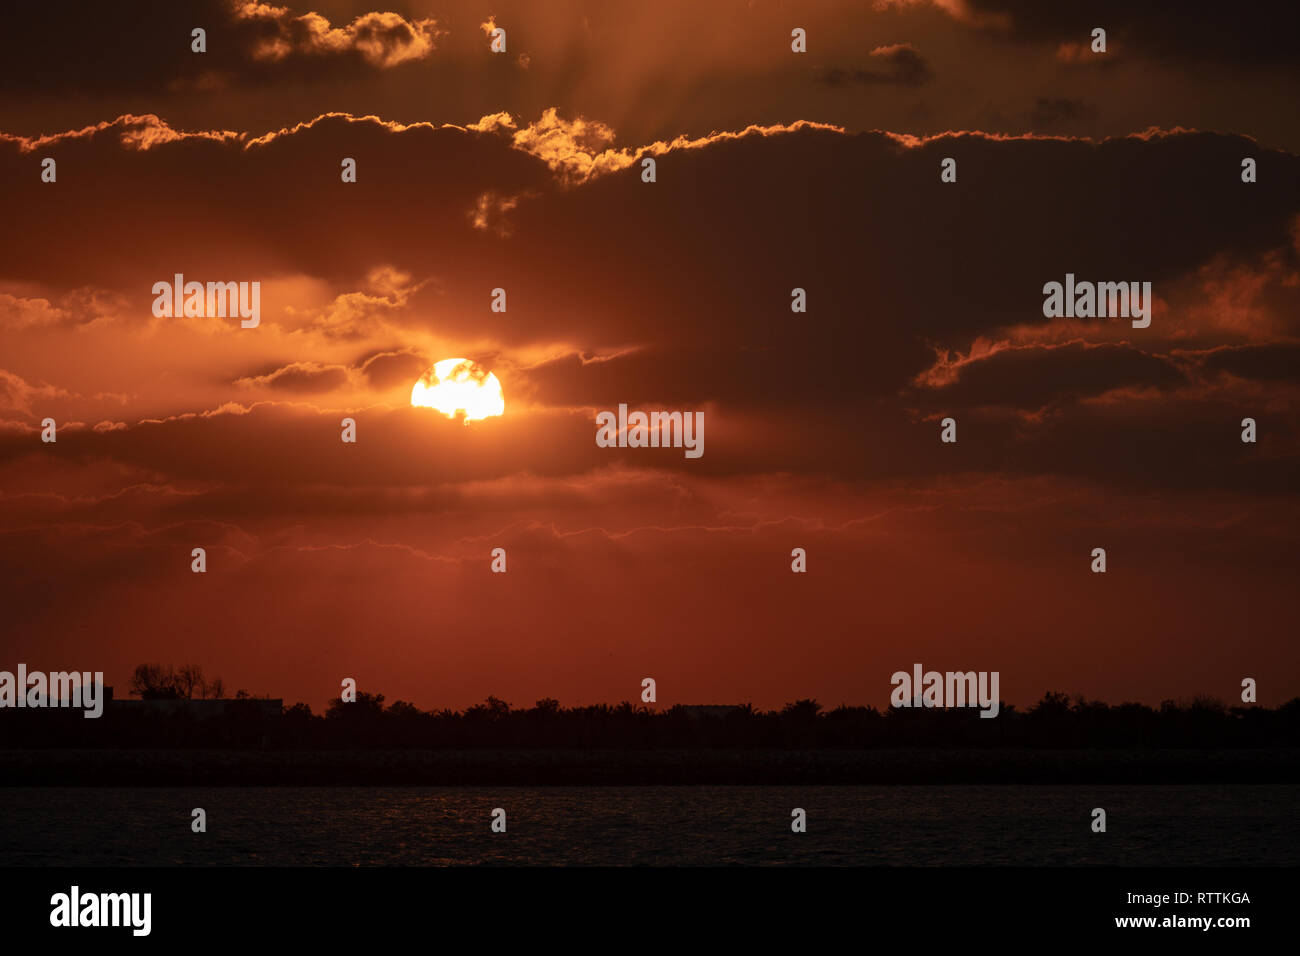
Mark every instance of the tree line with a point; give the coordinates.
(1057, 721)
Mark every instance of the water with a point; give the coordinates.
(694, 825)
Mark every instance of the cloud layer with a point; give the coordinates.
(774, 173)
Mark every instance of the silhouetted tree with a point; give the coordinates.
(155, 682)
(1055, 722)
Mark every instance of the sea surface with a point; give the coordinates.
(962, 825)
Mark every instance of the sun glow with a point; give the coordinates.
(457, 386)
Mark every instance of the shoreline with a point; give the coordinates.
(124, 768)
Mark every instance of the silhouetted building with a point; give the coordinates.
(198, 708)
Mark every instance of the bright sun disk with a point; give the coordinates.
(457, 386)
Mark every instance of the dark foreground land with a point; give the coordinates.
(176, 741)
(535, 767)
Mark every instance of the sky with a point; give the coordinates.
(775, 170)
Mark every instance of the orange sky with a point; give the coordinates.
(775, 170)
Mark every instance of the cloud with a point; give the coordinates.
(1029, 376)
(358, 314)
(901, 65)
(1053, 112)
(1254, 35)
(1005, 550)
(963, 11)
(490, 212)
(1277, 362)
(146, 48)
(17, 394)
(399, 367)
(303, 377)
(383, 40)
(74, 309)
(1081, 54)
(28, 312)
(132, 132)
(575, 149)
(682, 287)
(381, 371)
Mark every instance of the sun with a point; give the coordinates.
(457, 386)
